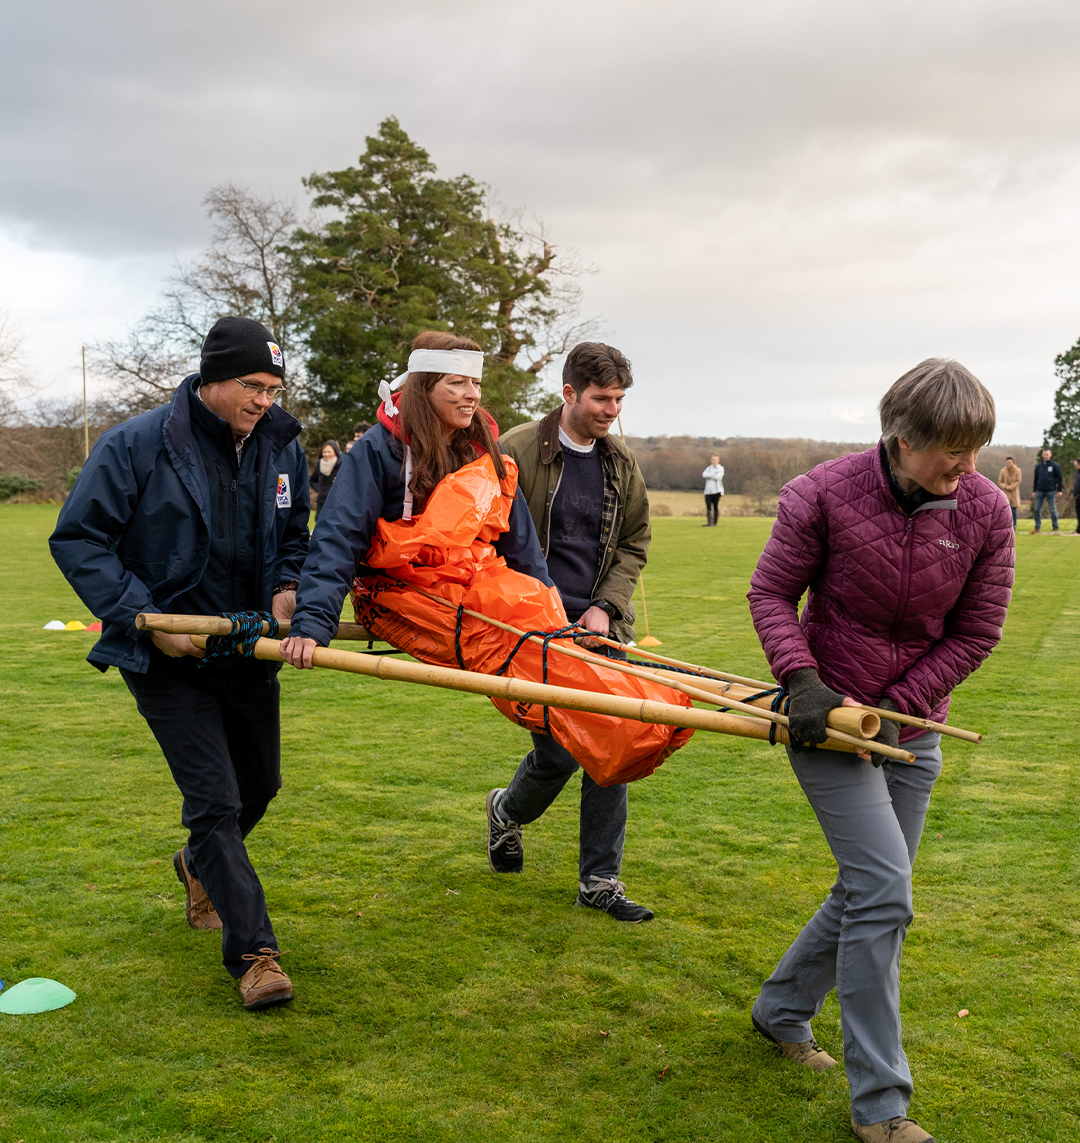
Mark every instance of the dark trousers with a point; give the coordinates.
(712, 507)
(540, 778)
(219, 729)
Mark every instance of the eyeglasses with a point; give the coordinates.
(271, 391)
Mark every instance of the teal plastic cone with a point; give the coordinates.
(38, 994)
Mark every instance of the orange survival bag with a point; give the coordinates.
(447, 551)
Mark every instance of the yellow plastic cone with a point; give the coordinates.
(74, 625)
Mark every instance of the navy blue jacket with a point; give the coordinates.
(135, 531)
(1048, 477)
(371, 484)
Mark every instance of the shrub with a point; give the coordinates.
(11, 483)
(72, 476)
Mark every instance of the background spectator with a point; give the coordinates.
(325, 473)
(1009, 482)
(1047, 488)
(714, 489)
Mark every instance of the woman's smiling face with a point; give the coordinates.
(455, 399)
(936, 469)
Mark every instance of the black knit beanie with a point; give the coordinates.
(238, 346)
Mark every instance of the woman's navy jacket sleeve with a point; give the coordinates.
(371, 486)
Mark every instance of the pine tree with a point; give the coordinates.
(404, 250)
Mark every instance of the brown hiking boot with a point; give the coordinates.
(897, 1130)
(807, 1053)
(200, 910)
(264, 983)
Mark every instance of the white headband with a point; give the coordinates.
(463, 362)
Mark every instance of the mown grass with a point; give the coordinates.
(436, 1001)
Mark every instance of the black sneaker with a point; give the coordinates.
(505, 854)
(610, 896)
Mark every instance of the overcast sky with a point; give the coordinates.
(788, 203)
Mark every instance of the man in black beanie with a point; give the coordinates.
(199, 507)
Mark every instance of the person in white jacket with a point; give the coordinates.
(714, 489)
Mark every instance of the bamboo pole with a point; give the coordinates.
(217, 625)
(757, 684)
(520, 690)
(849, 723)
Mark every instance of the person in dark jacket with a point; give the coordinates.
(1076, 491)
(326, 470)
(437, 426)
(1048, 486)
(201, 506)
(907, 553)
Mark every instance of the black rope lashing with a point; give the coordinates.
(566, 632)
(247, 630)
(457, 637)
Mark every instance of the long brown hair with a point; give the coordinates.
(435, 452)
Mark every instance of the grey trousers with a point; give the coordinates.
(872, 819)
(540, 777)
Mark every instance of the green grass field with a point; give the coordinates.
(437, 1001)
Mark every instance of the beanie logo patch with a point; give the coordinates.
(284, 495)
(275, 354)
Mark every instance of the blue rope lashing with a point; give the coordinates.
(247, 630)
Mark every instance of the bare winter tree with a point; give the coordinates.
(12, 370)
(246, 270)
(539, 293)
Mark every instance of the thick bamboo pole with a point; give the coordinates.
(757, 684)
(217, 625)
(519, 690)
(850, 723)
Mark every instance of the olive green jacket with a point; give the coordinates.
(625, 531)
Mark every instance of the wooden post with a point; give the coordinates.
(85, 417)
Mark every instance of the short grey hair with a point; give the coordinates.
(938, 403)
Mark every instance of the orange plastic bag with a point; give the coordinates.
(447, 551)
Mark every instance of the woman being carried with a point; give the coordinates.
(425, 523)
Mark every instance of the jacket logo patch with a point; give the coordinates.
(284, 495)
(275, 353)
(949, 544)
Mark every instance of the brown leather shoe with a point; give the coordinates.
(897, 1130)
(200, 910)
(264, 983)
(807, 1053)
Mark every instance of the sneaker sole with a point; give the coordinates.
(621, 920)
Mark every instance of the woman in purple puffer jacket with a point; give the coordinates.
(907, 552)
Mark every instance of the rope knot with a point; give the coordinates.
(247, 630)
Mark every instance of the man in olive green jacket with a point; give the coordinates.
(587, 498)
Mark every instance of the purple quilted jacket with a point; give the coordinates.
(904, 606)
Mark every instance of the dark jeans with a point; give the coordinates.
(1014, 517)
(219, 729)
(540, 777)
(712, 507)
(1049, 498)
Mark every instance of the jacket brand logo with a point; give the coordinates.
(949, 544)
(284, 495)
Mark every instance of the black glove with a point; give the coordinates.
(811, 701)
(889, 734)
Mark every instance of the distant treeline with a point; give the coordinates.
(761, 466)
